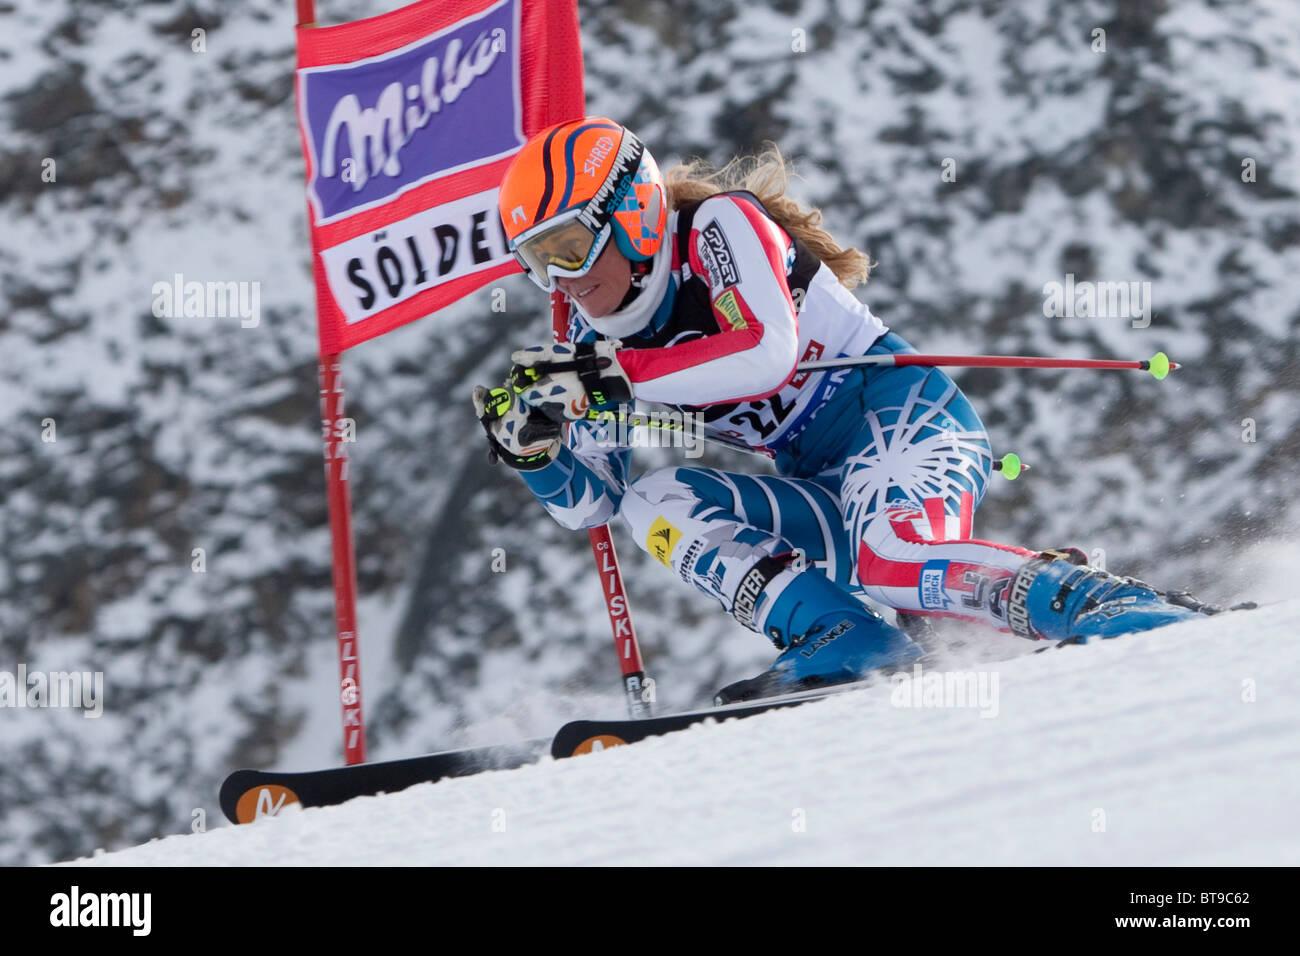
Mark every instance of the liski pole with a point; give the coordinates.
(343, 551)
(611, 582)
(620, 619)
(1158, 365)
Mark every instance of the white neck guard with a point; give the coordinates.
(637, 315)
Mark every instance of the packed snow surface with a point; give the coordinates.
(1181, 746)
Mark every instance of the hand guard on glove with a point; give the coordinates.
(564, 381)
(522, 437)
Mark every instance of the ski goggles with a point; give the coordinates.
(561, 246)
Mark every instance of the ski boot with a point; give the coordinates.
(1057, 596)
(920, 628)
(826, 637)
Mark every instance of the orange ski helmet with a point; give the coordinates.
(571, 188)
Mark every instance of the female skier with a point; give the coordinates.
(703, 291)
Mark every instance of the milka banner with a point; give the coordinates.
(408, 122)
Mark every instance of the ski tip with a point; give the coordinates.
(1159, 365)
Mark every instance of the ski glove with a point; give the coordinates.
(564, 381)
(522, 437)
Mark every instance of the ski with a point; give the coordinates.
(247, 795)
(586, 736)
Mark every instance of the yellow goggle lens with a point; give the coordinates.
(568, 246)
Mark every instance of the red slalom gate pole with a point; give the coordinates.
(611, 581)
(333, 433)
(620, 619)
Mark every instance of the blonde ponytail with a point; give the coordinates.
(767, 176)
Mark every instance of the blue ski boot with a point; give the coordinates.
(825, 635)
(1057, 596)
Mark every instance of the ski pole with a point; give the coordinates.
(1158, 365)
(1009, 464)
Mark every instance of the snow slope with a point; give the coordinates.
(1178, 747)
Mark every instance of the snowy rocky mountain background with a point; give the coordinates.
(176, 434)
